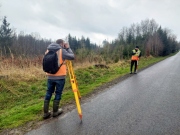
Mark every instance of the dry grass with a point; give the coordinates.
(85, 64)
(23, 74)
(21, 68)
(25, 69)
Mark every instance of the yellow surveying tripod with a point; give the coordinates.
(74, 87)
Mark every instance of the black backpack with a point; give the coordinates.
(50, 62)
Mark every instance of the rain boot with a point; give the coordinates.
(47, 113)
(56, 110)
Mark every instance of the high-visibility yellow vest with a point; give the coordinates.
(136, 55)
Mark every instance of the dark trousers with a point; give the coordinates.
(54, 86)
(133, 63)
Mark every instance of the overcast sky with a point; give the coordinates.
(96, 19)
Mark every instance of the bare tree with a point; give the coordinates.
(154, 45)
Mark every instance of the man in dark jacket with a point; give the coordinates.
(56, 82)
(136, 54)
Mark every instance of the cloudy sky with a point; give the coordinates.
(96, 19)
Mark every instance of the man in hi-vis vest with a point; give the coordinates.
(56, 82)
(136, 54)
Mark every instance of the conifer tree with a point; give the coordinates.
(6, 36)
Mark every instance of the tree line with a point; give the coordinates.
(32, 44)
(151, 38)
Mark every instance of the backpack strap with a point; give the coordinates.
(59, 52)
(58, 57)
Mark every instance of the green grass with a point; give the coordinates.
(21, 102)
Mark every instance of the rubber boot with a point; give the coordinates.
(47, 113)
(56, 110)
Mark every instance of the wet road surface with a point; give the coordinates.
(147, 103)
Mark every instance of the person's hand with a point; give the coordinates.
(66, 45)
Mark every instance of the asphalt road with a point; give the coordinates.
(147, 103)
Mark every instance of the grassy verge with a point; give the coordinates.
(21, 100)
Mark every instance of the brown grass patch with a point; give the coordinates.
(25, 69)
(21, 68)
